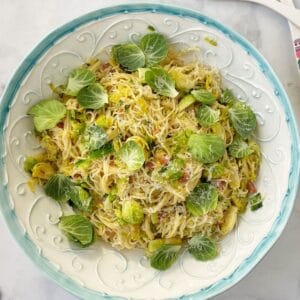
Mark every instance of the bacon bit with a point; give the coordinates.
(220, 184)
(162, 214)
(111, 162)
(77, 176)
(99, 201)
(60, 125)
(251, 187)
(150, 165)
(164, 160)
(162, 157)
(185, 177)
(104, 66)
(156, 131)
(110, 234)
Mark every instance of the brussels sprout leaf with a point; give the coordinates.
(155, 48)
(204, 96)
(242, 119)
(161, 82)
(129, 56)
(174, 170)
(94, 137)
(132, 154)
(103, 151)
(239, 148)
(78, 79)
(227, 97)
(92, 96)
(29, 163)
(206, 148)
(81, 198)
(207, 116)
(132, 212)
(185, 102)
(78, 229)
(59, 187)
(202, 248)
(47, 113)
(203, 199)
(164, 257)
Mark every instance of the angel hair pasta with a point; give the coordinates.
(149, 151)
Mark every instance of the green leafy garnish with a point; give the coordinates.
(174, 170)
(59, 187)
(183, 82)
(211, 41)
(141, 74)
(154, 245)
(152, 50)
(112, 195)
(239, 148)
(132, 212)
(185, 102)
(179, 141)
(29, 163)
(255, 201)
(207, 116)
(92, 96)
(242, 119)
(83, 164)
(129, 56)
(203, 199)
(161, 82)
(164, 257)
(46, 114)
(106, 149)
(202, 248)
(150, 28)
(227, 97)
(216, 171)
(78, 79)
(81, 198)
(132, 154)
(78, 229)
(103, 151)
(94, 137)
(204, 96)
(155, 48)
(206, 148)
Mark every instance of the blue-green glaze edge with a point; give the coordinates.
(287, 204)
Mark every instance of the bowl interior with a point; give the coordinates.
(100, 268)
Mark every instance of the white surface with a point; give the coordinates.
(128, 273)
(24, 23)
(288, 12)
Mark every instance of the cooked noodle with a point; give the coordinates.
(134, 111)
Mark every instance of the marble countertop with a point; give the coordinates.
(24, 23)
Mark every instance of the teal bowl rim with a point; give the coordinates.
(28, 63)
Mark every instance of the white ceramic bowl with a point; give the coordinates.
(100, 270)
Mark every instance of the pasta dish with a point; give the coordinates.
(150, 152)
